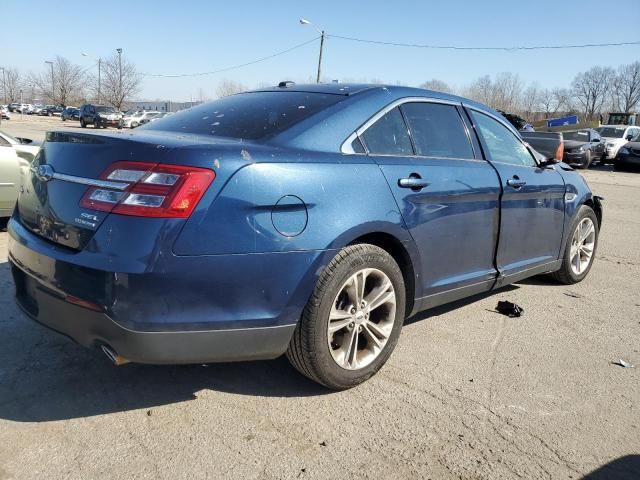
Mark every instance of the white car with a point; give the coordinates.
(25, 148)
(615, 136)
(4, 112)
(15, 159)
(137, 118)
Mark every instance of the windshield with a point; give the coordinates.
(249, 116)
(611, 132)
(105, 110)
(580, 136)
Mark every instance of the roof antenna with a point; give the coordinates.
(286, 83)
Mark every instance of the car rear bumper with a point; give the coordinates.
(152, 308)
(94, 329)
(574, 158)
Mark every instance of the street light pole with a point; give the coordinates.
(53, 85)
(322, 35)
(119, 50)
(99, 67)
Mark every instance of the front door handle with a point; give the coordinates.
(414, 182)
(516, 183)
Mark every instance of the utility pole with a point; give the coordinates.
(320, 56)
(322, 35)
(53, 85)
(119, 50)
(21, 107)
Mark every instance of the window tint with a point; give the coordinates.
(4, 143)
(388, 135)
(249, 116)
(357, 146)
(503, 145)
(437, 130)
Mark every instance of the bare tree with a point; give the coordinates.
(229, 87)
(481, 90)
(437, 85)
(12, 84)
(590, 89)
(68, 80)
(120, 81)
(507, 91)
(530, 101)
(626, 87)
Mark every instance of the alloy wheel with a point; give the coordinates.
(582, 246)
(361, 319)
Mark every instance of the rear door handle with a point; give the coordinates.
(414, 183)
(516, 183)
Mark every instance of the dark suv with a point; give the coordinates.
(99, 116)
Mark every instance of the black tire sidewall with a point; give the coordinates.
(327, 368)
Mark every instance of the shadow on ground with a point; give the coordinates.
(45, 376)
(623, 468)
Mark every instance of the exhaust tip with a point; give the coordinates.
(113, 356)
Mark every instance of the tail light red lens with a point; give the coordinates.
(154, 190)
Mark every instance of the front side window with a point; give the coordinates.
(437, 130)
(502, 144)
(388, 135)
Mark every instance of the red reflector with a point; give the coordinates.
(154, 190)
(83, 303)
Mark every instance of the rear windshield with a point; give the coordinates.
(581, 136)
(250, 116)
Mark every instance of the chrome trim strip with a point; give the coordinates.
(346, 145)
(93, 182)
(7, 184)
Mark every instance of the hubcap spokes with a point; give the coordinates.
(582, 245)
(361, 319)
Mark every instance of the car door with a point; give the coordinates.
(532, 203)
(448, 198)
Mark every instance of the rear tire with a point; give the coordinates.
(82, 123)
(361, 337)
(582, 243)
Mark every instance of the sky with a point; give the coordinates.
(189, 36)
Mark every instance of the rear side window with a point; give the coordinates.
(388, 136)
(249, 116)
(502, 144)
(437, 130)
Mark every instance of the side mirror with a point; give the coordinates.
(595, 140)
(629, 137)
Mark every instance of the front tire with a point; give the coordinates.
(580, 250)
(587, 160)
(352, 322)
(82, 123)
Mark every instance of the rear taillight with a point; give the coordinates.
(560, 151)
(154, 190)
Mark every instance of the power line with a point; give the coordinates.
(508, 49)
(233, 67)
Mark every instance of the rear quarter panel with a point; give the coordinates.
(286, 205)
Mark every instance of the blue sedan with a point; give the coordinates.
(309, 220)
